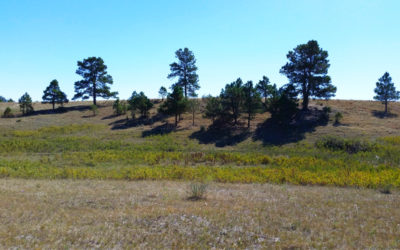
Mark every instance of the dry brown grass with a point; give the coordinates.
(358, 118)
(120, 214)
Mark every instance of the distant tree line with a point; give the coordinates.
(306, 69)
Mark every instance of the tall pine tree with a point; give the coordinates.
(307, 71)
(386, 91)
(185, 70)
(95, 81)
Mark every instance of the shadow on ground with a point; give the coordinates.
(163, 129)
(126, 123)
(59, 110)
(382, 114)
(272, 132)
(221, 136)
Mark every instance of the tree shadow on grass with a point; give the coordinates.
(59, 110)
(108, 117)
(163, 129)
(271, 132)
(382, 114)
(221, 136)
(130, 123)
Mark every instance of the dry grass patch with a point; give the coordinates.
(119, 214)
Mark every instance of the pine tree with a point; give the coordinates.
(175, 104)
(140, 102)
(213, 108)
(386, 91)
(95, 81)
(307, 72)
(232, 99)
(53, 94)
(163, 93)
(265, 89)
(185, 69)
(25, 104)
(251, 101)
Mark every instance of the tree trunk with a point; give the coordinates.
(176, 120)
(386, 105)
(94, 93)
(248, 121)
(193, 119)
(53, 102)
(305, 101)
(185, 90)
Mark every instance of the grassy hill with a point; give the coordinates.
(242, 209)
(76, 144)
(360, 118)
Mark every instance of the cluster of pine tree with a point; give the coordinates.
(306, 70)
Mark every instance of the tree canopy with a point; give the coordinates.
(232, 99)
(251, 101)
(95, 81)
(386, 91)
(283, 104)
(307, 71)
(213, 108)
(265, 89)
(25, 104)
(53, 94)
(140, 102)
(163, 92)
(185, 70)
(175, 104)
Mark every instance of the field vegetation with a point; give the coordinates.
(355, 153)
(158, 214)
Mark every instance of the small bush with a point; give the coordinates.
(119, 107)
(94, 109)
(386, 189)
(350, 146)
(8, 113)
(338, 117)
(197, 191)
(327, 109)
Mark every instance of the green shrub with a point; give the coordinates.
(8, 113)
(327, 109)
(94, 109)
(350, 146)
(338, 117)
(197, 191)
(119, 107)
(386, 189)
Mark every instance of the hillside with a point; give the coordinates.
(360, 119)
(81, 181)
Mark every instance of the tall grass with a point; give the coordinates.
(92, 152)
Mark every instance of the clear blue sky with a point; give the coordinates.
(43, 40)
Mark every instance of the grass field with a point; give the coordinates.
(121, 214)
(77, 145)
(64, 180)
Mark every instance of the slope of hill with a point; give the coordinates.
(76, 144)
(242, 208)
(360, 118)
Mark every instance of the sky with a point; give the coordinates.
(42, 40)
